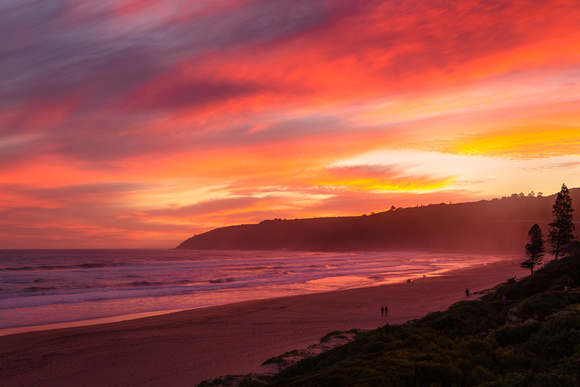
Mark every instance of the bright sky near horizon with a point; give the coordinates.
(138, 123)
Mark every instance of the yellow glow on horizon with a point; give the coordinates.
(524, 142)
(333, 113)
(398, 184)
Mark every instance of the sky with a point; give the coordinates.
(139, 123)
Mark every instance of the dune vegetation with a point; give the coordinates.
(523, 332)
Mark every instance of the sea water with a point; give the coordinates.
(40, 287)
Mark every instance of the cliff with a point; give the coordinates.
(495, 226)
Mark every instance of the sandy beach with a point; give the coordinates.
(184, 348)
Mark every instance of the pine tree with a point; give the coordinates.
(563, 226)
(534, 249)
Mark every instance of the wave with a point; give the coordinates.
(39, 288)
(89, 284)
(65, 267)
(144, 283)
(221, 280)
(41, 297)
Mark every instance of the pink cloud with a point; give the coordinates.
(101, 101)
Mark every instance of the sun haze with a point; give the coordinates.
(137, 123)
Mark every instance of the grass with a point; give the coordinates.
(523, 332)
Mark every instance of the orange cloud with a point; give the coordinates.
(232, 111)
(415, 48)
(520, 142)
(379, 178)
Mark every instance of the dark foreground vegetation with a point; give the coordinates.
(522, 333)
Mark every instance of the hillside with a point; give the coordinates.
(523, 333)
(495, 226)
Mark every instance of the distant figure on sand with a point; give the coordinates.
(467, 293)
(386, 310)
(382, 311)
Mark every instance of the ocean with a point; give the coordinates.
(39, 287)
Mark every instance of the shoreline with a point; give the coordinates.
(392, 279)
(84, 323)
(186, 347)
(138, 315)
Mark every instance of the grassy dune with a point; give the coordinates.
(520, 333)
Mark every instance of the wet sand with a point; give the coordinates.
(184, 348)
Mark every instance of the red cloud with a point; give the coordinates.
(262, 96)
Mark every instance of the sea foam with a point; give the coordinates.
(51, 286)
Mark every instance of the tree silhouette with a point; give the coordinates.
(562, 228)
(534, 249)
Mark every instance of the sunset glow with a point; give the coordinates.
(137, 123)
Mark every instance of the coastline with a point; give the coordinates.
(115, 312)
(84, 323)
(186, 347)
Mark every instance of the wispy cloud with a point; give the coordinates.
(125, 120)
(520, 142)
(380, 178)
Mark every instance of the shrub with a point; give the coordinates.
(465, 318)
(469, 344)
(508, 336)
(541, 306)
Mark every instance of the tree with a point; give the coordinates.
(562, 228)
(534, 249)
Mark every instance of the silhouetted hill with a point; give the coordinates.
(499, 225)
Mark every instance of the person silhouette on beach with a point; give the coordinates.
(386, 310)
(382, 311)
(467, 293)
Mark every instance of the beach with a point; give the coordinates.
(187, 347)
